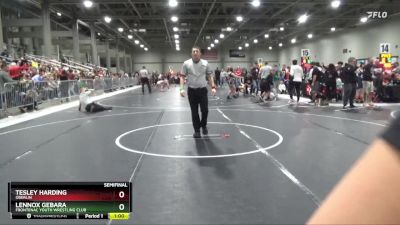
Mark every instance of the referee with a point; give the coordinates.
(197, 72)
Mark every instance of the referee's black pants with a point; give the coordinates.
(145, 80)
(198, 96)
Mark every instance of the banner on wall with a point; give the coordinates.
(234, 53)
(209, 54)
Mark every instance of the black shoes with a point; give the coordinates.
(205, 130)
(197, 134)
(352, 106)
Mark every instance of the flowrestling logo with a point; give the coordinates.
(377, 15)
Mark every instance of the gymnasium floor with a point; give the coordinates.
(264, 163)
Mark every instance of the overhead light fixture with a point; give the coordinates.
(120, 29)
(333, 29)
(175, 29)
(212, 45)
(176, 41)
(142, 30)
(310, 36)
(256, 3)
(255, 41)
(240, 48)
(246, 45)
(280, 44)
(303, 18)
(270, 47)
(59, 14)
(174, 19)
(172, 3)
(216, 41)
(229, 29)
(221, 36)
(141, 46)
(107, 19)
(281, 28)
(88, 3)
(146, 49)
(363, 19)
(137, 42)
(178, 49)
(130, 36)
(239, 18)
(293, 40)
(209, 48)
(335, 4)
(266, 35)
(176, 36)
(98, 34)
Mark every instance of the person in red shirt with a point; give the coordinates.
(14, 71)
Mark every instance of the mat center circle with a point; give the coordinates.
(260, 149)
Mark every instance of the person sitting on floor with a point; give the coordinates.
(87, 103)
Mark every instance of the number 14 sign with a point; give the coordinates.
(384, 48)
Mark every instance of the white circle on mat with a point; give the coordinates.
(118, 143)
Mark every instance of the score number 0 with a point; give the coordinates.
(121, 195)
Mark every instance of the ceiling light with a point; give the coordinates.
(120, 29)
(216, 41)
(333, 29)
(335, 4)
(293, 40)
(137, 42)
(221, 36)
(176, 41)
(266, 35)
(212, 45)
(303, 18)
(142, 30)
(239, 18)
(255, 41)
(141, 46)
(130, 36)
(310, 36)
(172, 3)
(146, 49)
(256, 3)
(229, 28)
(240, 48)
(88, 3)
(363, 19)
(280, 44)
(174, 19)
(107, 19)
(175, 29)
(281, 28)
(59, 14)
(246, 45)
(176, 36)
(270, 47)
(209, 48)
(98, 34)
(178, 49)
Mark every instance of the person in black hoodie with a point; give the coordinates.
(349, 78)
(331, 76)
